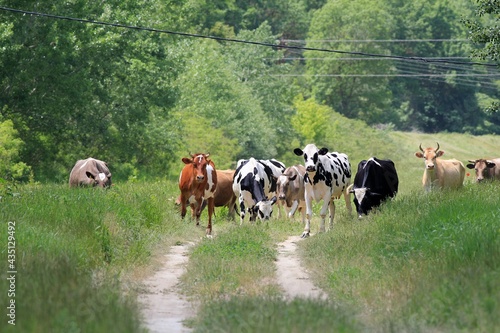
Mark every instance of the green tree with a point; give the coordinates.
(484, 32)
(11, 167)
(209, 89)
(337, 78)
(425, 103)
(311, 120)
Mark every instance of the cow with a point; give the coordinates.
(439, 173)
(375, 181)
(198, 182)
(291, 190)
(224, 195)
(327, 177)
(485, 169)
(252, 186)
(90, 172)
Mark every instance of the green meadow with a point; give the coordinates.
(419, 263)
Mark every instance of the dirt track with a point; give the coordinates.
(164, 309)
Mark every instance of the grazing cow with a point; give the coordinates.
(485, 169)
(252, 186)
(440, 173)
(291, 190)
(375, 181)
(90, 172)
(197, 182)
(224, 195)
(327, 177)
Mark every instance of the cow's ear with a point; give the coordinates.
(419, 154)
(470, 166)
(490, 164)
(187, 160)
(323, 151)
(440, 153)
(90, 175)
(273, 200)
(298, 152)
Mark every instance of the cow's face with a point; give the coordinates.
(264, 209)
(283, 185)
(311, 155)
(429, 155)
(199, 162)
(100, 180)
(481, 167)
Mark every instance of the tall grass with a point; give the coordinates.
(422, 263)
(77, 248)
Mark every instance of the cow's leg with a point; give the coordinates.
(332, 213)
(303, 213)
(326, 203)
(307, 227)
(292, 211)
(183, 207)
(211, 206)
(242, 210)
(347, 198)
(198, 206)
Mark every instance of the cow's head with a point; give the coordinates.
(264, 209)
(481, 166)
(311, 155)
(283, 184)
(199, 162)
(365, 199)
(429, 155)
(101, 179)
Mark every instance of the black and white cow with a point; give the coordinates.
(252, 186)
(327, 177)
(375, 181)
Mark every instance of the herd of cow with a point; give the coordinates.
(255, 186)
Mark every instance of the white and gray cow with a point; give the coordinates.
(291, 190)
(90, 172)
(252, 186)
(327, 177)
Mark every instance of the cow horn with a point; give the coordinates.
(437, 149)
(421, 148)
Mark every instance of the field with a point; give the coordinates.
(423, 262)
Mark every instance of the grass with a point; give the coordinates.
(419, 263)
(79, 251)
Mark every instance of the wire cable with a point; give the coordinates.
(278, 46)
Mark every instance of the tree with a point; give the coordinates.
(311, 120)
(336, 78)
(486, 32)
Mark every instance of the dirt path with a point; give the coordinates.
(292, 277)
(164, 309)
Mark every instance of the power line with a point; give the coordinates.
(279, 46)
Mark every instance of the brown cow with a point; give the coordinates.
(485, 169)
(197, 182)
(224, 195)
(291, 190)
(90, 172)
(438, 172)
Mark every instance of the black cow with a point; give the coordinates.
(375, 181)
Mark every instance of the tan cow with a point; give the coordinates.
(440, 173)
(485, 169)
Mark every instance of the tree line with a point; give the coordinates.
(142, 99)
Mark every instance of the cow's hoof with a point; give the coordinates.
(305, 234)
